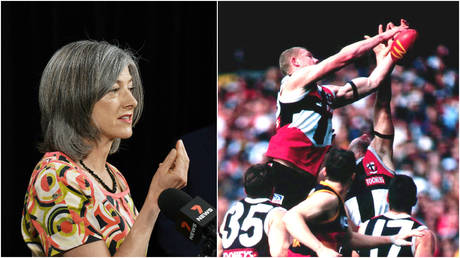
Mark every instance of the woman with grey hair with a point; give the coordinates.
(77, 204)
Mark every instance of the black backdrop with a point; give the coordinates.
(262, 30)
(177, 45)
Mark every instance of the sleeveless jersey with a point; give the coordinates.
(245, 226)
(330, 232)
(303, 128)
(367, 196)
(387, 225)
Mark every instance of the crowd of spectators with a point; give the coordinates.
(425, 115)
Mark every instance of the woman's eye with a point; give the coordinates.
(131, 88)
(114, 89)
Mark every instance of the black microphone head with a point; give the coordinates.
(171, 201)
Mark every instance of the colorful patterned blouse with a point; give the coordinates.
(64, 208)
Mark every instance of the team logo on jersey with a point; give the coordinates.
(372, 168)
(278, 198)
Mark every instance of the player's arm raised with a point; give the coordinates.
(363, 86)
(382, 142)
(312, 209)
(347, 54)
(383, 124)
(278, 237)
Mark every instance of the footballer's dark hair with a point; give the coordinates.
(402, 193)
(340, 165)
(257, 182)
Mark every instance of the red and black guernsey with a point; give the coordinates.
(303, 128)
(368, 194)
(330, 232)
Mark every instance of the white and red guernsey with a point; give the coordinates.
(303, 128)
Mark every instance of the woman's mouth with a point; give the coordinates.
(126, 118)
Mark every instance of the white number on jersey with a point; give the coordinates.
(249, 222)
(405, 226)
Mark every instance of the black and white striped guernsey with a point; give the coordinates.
(387, 225)
(367, 196)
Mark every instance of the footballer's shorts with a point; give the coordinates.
(291, 186)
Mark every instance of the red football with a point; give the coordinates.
(402, 43)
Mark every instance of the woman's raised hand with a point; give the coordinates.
(179, 168)
(172, 172)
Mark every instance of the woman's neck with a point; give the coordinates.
(97, 158)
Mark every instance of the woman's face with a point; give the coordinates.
(113, 113)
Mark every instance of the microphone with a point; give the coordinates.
(195, 218)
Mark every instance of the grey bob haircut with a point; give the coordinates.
(77, 76)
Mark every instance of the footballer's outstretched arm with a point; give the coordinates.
(346, 55)
(312, 209)
(361, 87)
(383, 124)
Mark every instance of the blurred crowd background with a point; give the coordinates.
(425, 115)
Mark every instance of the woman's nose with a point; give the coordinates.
(129, 100)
